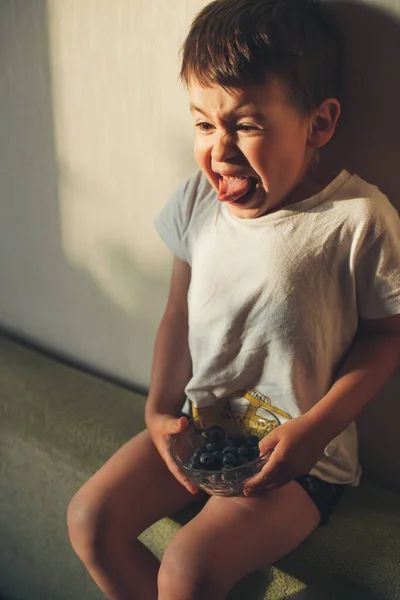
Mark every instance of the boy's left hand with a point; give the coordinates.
(296, 446)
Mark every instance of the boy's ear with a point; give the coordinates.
(323, 122)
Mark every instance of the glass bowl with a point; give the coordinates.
(219, 477)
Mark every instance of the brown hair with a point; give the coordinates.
(237, 42)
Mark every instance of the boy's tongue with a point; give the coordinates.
(233, 188)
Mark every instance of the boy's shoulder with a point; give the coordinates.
(197, 186)
(363, 203)
(197, 197)
(359, 189)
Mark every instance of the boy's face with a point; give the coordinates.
(255, 133)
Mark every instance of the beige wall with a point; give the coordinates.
(94, 135)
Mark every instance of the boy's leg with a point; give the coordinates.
(232, 537)
(130, 492)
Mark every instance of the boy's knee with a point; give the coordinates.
(86, 527)
(183, 575)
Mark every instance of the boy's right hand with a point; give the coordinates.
(161, 428)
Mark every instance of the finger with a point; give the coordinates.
(182, 424)
(175, 425)
(277, 484)
(173, 467)
(177, 473)
(263, 488)
(267, 479)
(273, 480)
(257, 491)
(266, 468)
(266, 476)
(269, 441)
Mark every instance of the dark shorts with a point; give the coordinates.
(325, 495)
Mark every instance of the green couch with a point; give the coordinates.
(58, 424)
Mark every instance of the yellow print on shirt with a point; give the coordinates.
(250, 409)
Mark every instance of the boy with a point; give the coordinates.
(285, 281)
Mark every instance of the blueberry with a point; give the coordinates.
(211, 447)
(252, 440)
(254, 452)
(215, 434)
(214, 430)
(207, 459)
(193, 463)
(243, 450)
(198, 452)
(238, 440)
(218, 456)
(227, 467)
(217, 460)
(229, 450)
(231, 440)
(229, 459)
(242, 460)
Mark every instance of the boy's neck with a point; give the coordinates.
(314, 181)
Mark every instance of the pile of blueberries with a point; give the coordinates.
(222, 452)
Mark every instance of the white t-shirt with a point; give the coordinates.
(274, 302)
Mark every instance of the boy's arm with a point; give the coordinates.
(172, 369)
(172, 366)
(373, 359)
(298, 444)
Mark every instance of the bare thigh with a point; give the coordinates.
(131, 491)
(232, 537)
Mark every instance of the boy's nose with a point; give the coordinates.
(224, 148)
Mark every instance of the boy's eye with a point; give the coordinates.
(204, 126)
(247, 128)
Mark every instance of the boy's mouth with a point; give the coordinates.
(236, 189)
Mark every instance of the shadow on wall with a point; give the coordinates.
(45, 298)
(367, 142)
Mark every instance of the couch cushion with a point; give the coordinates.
(355, 556)
(59, 424)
